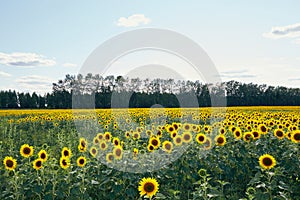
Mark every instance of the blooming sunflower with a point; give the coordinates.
(200, 138)
(187, 137)
(43, 155)
(66, 152)
(279, 133)
(107, 136)
(116, 141)
(118, 152)
(82, 145)
(148, 187)
(103, 145)
(10, 163)
(267, 161)
(93, 151)
(263, 129)
(109, 157)
(295, 136)
(167, 146)
(26, 151)
(220, 140)
(81, 161)
(37, 164)
(177, 140)
(64, 162)
(155, 142)
(237, 133)
(248, 136)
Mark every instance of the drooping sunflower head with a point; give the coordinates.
(81, 161)
(26, 151)
(37, 164)
(66, 152)
(43, 155)
(267, 161)
(207, 144)
(10, 163)
(148, 187)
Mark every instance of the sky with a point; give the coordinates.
(248, 41)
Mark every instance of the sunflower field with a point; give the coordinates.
(157, 153)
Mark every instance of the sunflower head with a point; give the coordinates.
(81, 161)
(148, 187)
(10, 163)
(66, 152)
(93, 151)
(220, 140)
(167, 146)
(37, 164)
(43, 155)
(295, 136)
(200, 138)
(187, 137)
(64, 162)
(26, 151)
(118, 152)
(267, 161)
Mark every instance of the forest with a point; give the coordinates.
(147, 92)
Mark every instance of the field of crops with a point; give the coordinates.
(221, 153)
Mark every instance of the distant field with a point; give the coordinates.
(203, 153)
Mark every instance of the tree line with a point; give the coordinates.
(106, 92)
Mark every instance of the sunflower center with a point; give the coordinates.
(263, 129)
(118, 152)
(297, 136)
(81, 161)
(64, 162)
(279, 134)
(66, 153)
(38, 163)
(168, 146)
(201, 138)
(154, 142)
(220, 140)
(237, 134)
(149, 187)
(43, 156)
(267, 161)
(94, 151)
(103, 145)
(178, 140)
(186, 137)
(26, 150)
(9, 163)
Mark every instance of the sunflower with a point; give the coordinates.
(66, 152)
(155, 142)
(148, 187)
(135, 152)
(256, 134)
(96, 140)
(107, 136)
(82, 145)
(295, 136)
(207, 144)
(116, 141)
(173, 134)
(100, 136)
(248, 136)
(109, 157)
(64, 162)
(220, 140)
(150, 148)
(43, 155)
(26, 151)
(93, 151)
(187, 137)
(118, 152)
(103, 145)
(279, 133)
(10, 163)
(136, 135)
(267, 161)
(200, 138)
(81, 161)
(167, 146)
(187, 127)
(37, 164)
(222, 130)
(237, 133)
(177, 140)
(263, 129)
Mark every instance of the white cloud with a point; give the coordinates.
(25, 59)
(133, 20)
(69, 65)
(35, 83)
(288, 31)
(4, 74)
(297, 41)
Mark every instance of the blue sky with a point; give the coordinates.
(249, 41)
